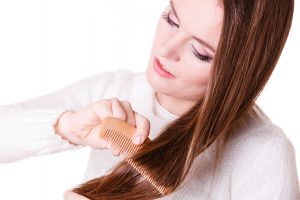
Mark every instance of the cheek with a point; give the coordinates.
(197, 73)
(196, 76)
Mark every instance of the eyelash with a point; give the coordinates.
(201, 57)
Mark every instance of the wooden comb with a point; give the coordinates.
(120, 134)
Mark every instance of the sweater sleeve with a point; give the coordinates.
(268, 173)
(26, 128)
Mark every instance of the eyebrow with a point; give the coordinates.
(194, 37)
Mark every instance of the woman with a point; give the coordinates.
(209, 62)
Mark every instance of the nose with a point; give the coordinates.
(172, 47)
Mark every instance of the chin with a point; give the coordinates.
(157, 85)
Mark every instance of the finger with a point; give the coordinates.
(130, 113)
(142, 129)
(103, 108)
(93, 140)
(118, 110)
(89, 114)
(113, 148)
(116, 152)
(105, 143)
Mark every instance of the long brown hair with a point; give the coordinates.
(253, 36)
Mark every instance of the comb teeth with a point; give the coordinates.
(163, 190)
(121, 142)
(120, 134)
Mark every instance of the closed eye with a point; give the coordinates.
(166, 17)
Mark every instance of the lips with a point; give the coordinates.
(160, 69)
(162, 66)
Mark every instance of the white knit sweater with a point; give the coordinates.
(258, 162)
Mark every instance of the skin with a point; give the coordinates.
(68, 195)
(172, 46)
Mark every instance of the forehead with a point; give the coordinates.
(202, 18)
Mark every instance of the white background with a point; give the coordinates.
(46, 45)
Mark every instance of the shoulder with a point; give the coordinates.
(259, 134)
(120, 76)
(113, 76)
(112, 83)
(102, 80)
(262, 158)
(266, 145)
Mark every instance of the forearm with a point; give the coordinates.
(29, 132)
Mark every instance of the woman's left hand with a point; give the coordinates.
(70, 195)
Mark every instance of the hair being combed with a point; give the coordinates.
(253, 35)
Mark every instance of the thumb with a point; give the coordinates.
(142, 129)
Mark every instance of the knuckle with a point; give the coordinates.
(118, 110)
(114, 99)
(126, 103)
(121, 116)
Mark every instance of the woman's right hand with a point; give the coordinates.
(82, 126)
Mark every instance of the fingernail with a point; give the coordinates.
(106, 144)
(138, 139)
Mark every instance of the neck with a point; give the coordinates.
(173, 105)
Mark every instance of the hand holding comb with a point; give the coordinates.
(120, 134)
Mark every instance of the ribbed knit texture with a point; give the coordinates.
(258, 162)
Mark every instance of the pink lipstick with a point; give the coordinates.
(160, 70)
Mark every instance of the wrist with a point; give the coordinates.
(63, 127)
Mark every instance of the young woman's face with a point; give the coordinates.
(187, 35)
